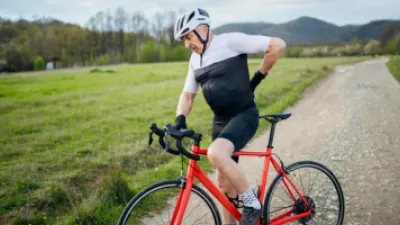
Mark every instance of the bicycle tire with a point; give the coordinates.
(311, 165)
(164, 185)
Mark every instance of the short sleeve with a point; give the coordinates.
(191, 85)
(248, 44)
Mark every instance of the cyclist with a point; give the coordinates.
(218, 64)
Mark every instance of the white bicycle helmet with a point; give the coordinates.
(189, 21)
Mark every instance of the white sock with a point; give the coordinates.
(249, 199)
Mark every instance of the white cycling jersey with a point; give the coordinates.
(222, 47)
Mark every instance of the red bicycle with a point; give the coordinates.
(288, 200)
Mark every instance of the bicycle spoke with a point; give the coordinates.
(285, 189)
(285, 200)
(326, 181)
(155, 221)
(285, 207)
(313, 184)
(161, 215)
(191, 212)
(327, 209)
(200, 218)
(321, 189)
(309, 176)
(301, 183)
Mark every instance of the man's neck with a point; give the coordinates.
(210, 38)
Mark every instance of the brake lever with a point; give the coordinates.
(166, 143)
(150, 139)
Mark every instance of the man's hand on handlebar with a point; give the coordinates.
(170, 130)
(180, 122)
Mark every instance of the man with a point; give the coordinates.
(219, 65)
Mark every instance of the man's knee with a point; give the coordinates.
(219, 151)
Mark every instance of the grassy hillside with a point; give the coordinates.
(394, 66)
(72, 149)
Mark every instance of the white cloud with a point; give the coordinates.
(84, 4)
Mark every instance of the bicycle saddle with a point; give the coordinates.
(281, 116)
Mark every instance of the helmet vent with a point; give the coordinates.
(203, 13)
(185, 30)
(181, 25)
(191, 16)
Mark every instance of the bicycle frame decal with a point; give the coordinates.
(194, 171)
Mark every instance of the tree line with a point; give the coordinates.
(354, 48)
(117, 36)
(109, 37)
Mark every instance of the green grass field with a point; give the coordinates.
(72, 144)
(394, 66)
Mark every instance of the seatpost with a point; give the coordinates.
(271, 134)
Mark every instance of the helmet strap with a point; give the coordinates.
(204, 42)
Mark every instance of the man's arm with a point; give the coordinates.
(274, 51)
(185, 103)
(183, 109)
(272, 54)
(186, 99)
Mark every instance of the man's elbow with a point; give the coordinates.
(188, 96)
(277, 46)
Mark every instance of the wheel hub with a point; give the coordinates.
(300, 207)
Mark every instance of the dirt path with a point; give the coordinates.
(349, 121)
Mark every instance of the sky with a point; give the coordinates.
(339, 12)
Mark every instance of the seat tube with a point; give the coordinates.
(271, 134)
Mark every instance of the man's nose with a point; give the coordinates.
(187, 44)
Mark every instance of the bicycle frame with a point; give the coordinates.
(194, 171)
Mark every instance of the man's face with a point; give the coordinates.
(192, 42)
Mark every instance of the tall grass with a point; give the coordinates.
(394, 66)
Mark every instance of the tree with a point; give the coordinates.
(148, 52)
(109, 33)
(66, 60)
(137, 24)
(120, 22)
(388, 33)
(51, 46)
(100, 21)
(179, 53)
(8, 32)
(170, 27)
(18, 58)
(39, 63)
(393, 46)
(373, 48)
(158, 26)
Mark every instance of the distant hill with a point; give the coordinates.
(307, 30)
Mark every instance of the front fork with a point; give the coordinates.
(181, 203)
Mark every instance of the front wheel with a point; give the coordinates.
(155, 206)
(320, 189)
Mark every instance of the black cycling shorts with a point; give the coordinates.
(238, 129)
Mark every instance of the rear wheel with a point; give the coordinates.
(155, 206)
(320, 188)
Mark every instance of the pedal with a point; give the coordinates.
(236, 201)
